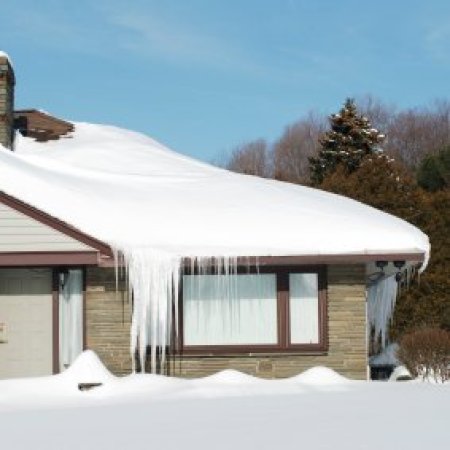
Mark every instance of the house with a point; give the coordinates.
(112, 242)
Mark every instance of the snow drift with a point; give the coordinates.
(154, 207)
(316, 409)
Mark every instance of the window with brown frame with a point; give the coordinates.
(272, 309)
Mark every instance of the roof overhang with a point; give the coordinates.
(297, 260)
(26, 259)
(103, 256)
(415, 257)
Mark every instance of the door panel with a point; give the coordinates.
(26, 326)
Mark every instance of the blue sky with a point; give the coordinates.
(203, 76)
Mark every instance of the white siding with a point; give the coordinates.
(20, 233)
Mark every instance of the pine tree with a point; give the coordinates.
(434, 171)
(350, 139)
(385, 184)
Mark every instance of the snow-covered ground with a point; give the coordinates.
(318, 409)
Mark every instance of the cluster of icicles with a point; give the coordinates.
(153, 276)
(381, 298)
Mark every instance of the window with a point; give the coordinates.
(304, 308)
(276, 309)
(237, 310)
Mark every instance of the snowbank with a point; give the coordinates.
(223, 411)
(63, 389)
(321, 376)
(87, 368)
(400, 373)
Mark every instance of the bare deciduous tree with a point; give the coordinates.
(416, 133)
(379, 113)
(251, 158)
(412, 134)
(298, 142)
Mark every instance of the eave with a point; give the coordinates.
(104, 255)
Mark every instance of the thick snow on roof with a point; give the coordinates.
(128, 190)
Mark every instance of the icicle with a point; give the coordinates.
(153, 278)
(116, 270)
(381, 298)
(425, 261)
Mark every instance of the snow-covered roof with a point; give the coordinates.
(155, 207)
(130, 191)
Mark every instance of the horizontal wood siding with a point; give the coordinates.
(109, 319)
(20, 233)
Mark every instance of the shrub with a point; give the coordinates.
(426, 353)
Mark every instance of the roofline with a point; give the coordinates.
(107, 258)
(36, 259)
(55, 223)
(351, 258)
(298, 260)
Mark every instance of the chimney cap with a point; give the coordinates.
(5, 56)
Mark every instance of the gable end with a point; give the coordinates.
(24, 228)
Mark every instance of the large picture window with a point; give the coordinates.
(276, 309)
(238, 310)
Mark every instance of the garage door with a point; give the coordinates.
(26, 332)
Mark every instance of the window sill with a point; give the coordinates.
(276, 353)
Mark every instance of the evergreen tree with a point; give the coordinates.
(385, 184)
(434, 171)
(350, 139)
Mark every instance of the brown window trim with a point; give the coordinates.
(283, 345)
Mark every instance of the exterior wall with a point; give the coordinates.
(26, 303)
(108, 321)
(347, 353)
(6, 102)
(19, 233)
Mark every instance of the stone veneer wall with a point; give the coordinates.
(108, 334)
(7, 82)
(108, 319)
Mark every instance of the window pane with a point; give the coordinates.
(304, 308)
(229, 310)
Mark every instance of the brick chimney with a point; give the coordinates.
(7, 82)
